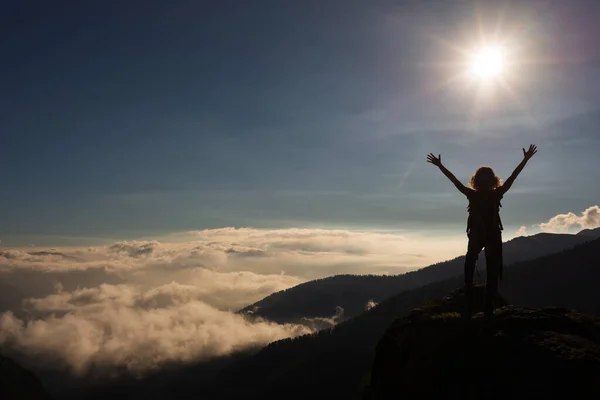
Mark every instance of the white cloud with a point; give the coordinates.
(522, 231)
(318, 323)
(589, 219)
(120, 326)
(370, 304)
(305, 253)
(315, 253)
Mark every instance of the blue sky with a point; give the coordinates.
(140, 118)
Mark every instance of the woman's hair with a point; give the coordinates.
(484, 179)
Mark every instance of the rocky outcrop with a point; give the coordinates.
(520, 353)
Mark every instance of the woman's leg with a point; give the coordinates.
(473, 249)
(493, 256)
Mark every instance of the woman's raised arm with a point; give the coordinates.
(527, 154)
(437, 161)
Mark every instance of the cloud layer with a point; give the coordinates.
(135, 305)
(304, 253)
(522, 231)
(120, 327)
(589, 219)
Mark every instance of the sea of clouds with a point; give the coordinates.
(136, 305)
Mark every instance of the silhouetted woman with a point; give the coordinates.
(484, 227)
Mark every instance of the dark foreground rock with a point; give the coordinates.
(18, 383)
(521, 353)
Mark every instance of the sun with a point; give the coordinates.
(487, 63)
(487, 66)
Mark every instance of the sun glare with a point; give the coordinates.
(487, 63)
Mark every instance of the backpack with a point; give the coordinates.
(484, 211)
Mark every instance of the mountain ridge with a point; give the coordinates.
(319, 298)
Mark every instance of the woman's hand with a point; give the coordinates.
(437, 161)
(529, 153)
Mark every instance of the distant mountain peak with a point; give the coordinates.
(53, 253)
